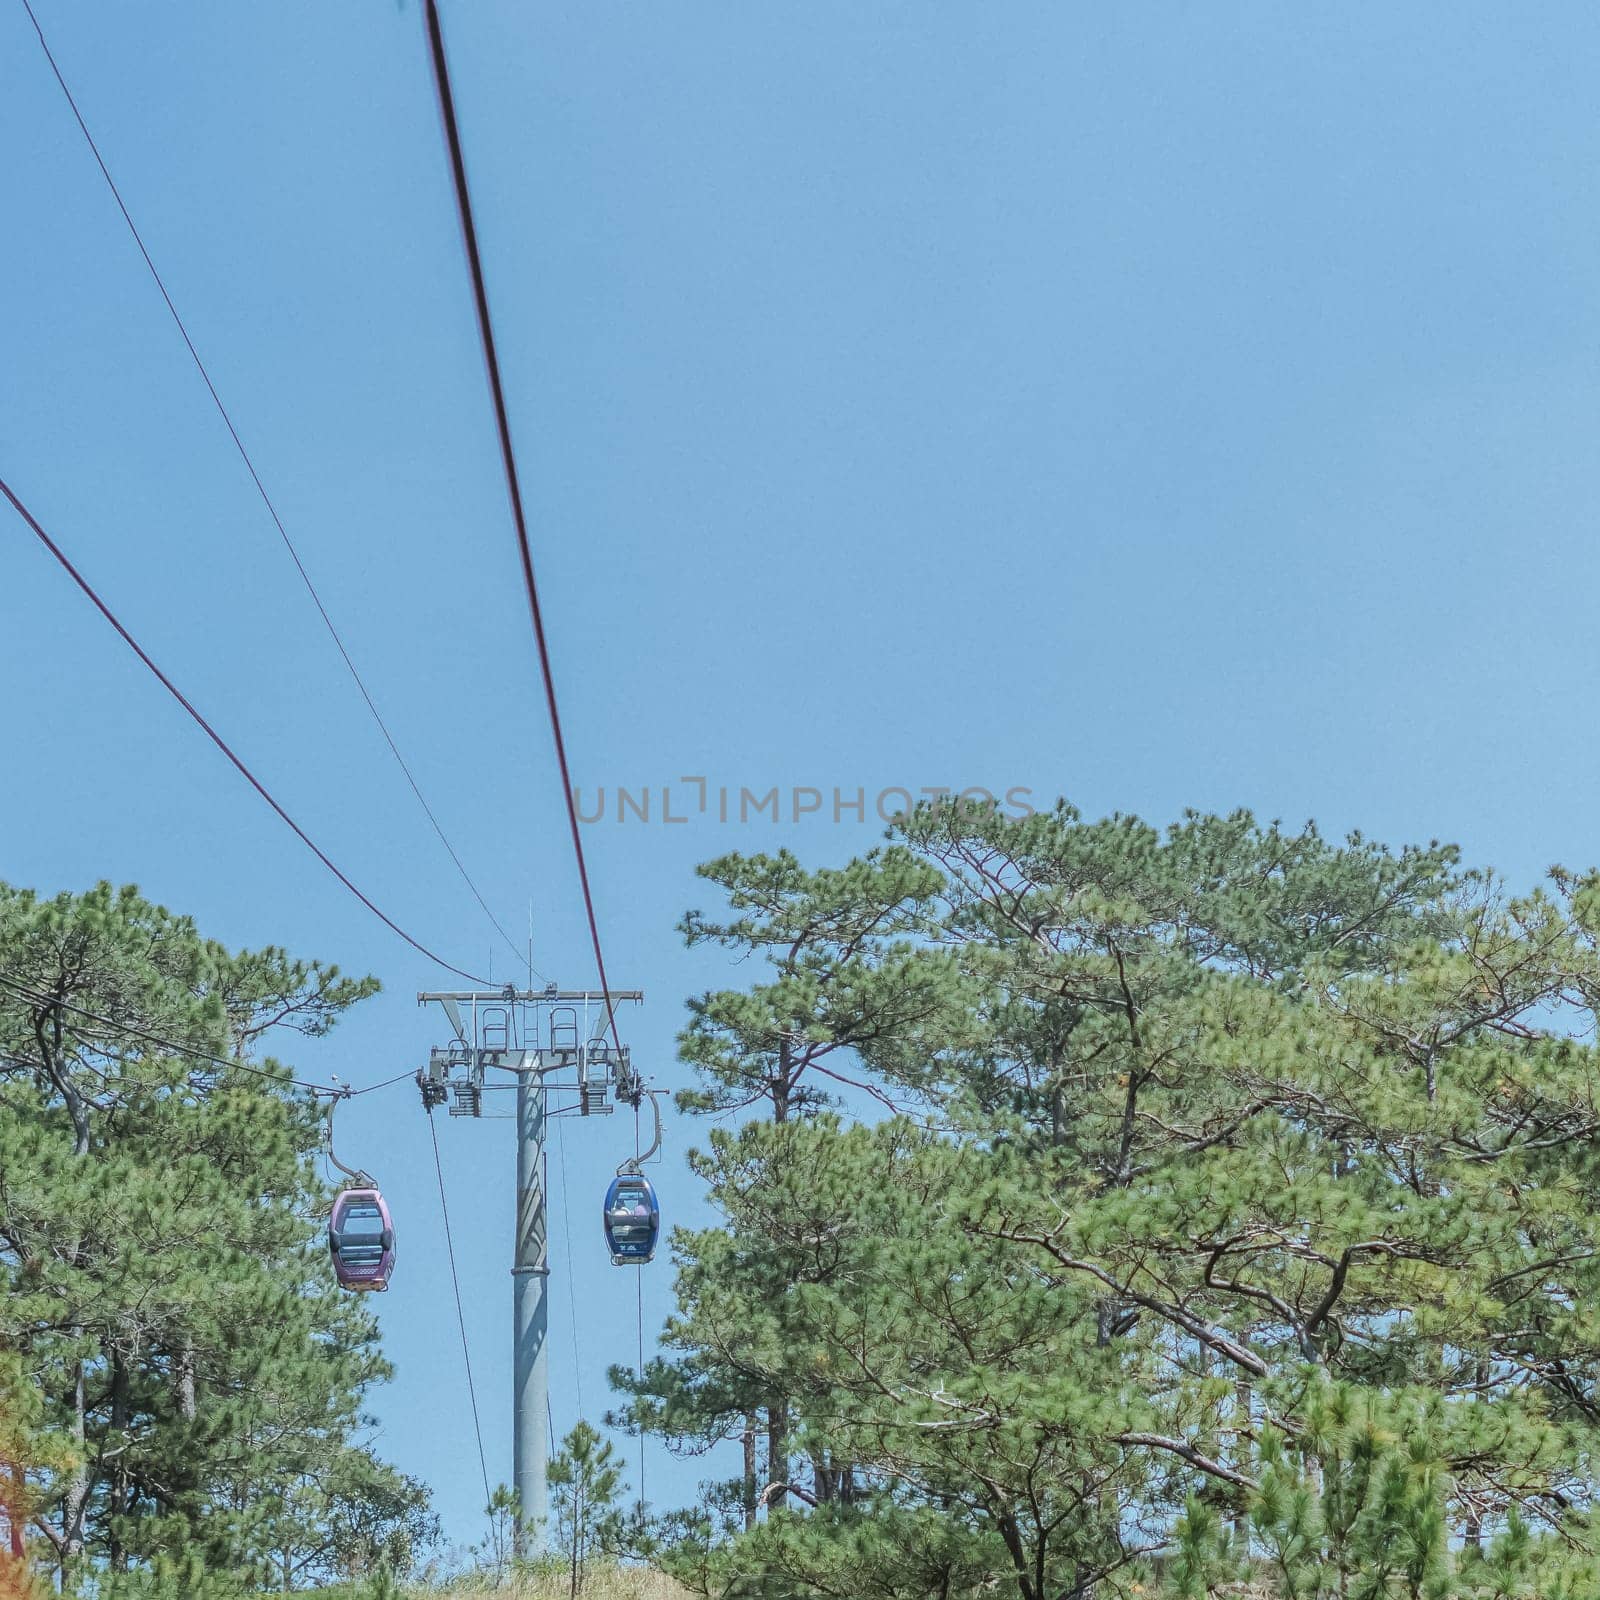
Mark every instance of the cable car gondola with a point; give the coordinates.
(360, 1228)
(632, 1219)
(361, 1239)
(632, 1214)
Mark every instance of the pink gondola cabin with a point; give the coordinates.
(361, 1239)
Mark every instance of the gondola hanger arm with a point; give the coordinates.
(363, 1180)
(633, 1164)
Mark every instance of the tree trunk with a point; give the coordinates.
(1241, 1462)
(1027, 1589)
(17, 1513)
(781, 1085)
(1472, 1532)
(75, 1502)
(778, 1408)
(185, 1373)
(821, 1476)
(50, 1052)
(748, 1440)
(119, 1464)
(778, 1448)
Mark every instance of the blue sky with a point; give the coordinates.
(1159, 405)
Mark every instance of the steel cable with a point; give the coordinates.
(217, 739)
(461, 1322)
(255, 478)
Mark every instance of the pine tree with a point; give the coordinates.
(585, 1481)
(847, 982)
(1233, 1219)
(199, 1375)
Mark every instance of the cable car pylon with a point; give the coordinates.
(549, 1043)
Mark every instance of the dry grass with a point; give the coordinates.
(600, 1583)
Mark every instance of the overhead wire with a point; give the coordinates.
(372, 707)
(408, 1076)
(168, 1045)
(469, 234)
(541, 641)
(572, 1299)
(261, 490)
(121, 1081)
(461, 1322)
(638, 1301)
(174, 1048)
(638, 1290)
(566, 1225)
(217, 739)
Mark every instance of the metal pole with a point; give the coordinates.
(531, 1314)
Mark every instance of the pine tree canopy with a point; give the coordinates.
(1212, 1211)
(180, 1380)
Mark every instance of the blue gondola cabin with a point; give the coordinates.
(632, 1219)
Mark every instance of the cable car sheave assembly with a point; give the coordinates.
(535, 1048)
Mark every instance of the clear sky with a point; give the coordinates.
(1161, 405)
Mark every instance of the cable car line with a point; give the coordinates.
(480, 294)
(177, 1049)
(461, 1322)
(638, 1300)
(638, 1245)
(407, 1076)
(638, 1285)
(255, 478)
(217, 739)
(361, 1232)
(572, 1278)
(166, 1044)
(121, 1081)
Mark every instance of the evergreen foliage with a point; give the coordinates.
(182, 1380)
(585, 1480)
(1218, 1215)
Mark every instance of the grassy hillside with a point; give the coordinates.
(600, 1583)
(615, 1584)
